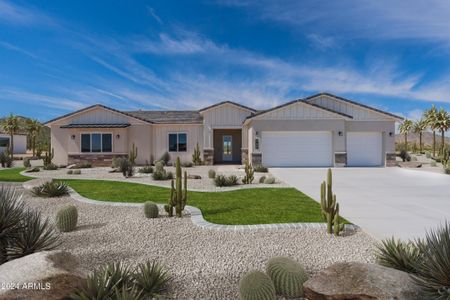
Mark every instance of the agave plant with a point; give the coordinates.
(51, 189)
(399, 255)
(151, 278)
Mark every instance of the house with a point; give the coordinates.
(319, 131)
(20, 142)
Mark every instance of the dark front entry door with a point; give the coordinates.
(227, 154)
(227, 146)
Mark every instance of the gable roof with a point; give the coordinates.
(298, 101)
(169, 117)
(91, 107)
(227, 102)
(354, 103)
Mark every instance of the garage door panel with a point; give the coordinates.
(364, 149)
(296, 149)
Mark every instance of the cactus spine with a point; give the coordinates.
(178, 193)
(287, 275)
(256, 285)
(67, 218)
(330, 208)
(151, 210)
(133, 154)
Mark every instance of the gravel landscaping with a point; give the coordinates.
(203, 184)
(205, 264)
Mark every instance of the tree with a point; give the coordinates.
(419, 127)
(405, 128)
(430, 118)
(33, 128)
(442, 124)
(11, 125)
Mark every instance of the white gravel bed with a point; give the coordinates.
(203, 184)
(205, 264)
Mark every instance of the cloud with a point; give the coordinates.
(152, 13)
(322, 43)
(17, 49)
(15, 14)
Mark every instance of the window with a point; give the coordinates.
(177, 142)
(96, 142)
(4, 142)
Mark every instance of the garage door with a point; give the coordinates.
(296, 148)
(364, 149)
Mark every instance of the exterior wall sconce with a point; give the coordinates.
(73, 136)
(118, 136)
(391, 133)
(340, 133)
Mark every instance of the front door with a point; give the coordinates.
(227, 154)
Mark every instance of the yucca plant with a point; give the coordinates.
(151, 278)
(35, 234)
(399, 255)
(127, 294)
(51, 189)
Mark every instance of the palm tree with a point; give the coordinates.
(430, 117)
(11, 125)
(405, 128)
(419, 127)
(33, 127)
(442, 124)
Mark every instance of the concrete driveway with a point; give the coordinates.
(385, 202)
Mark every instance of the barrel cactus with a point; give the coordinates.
(67, 218)
(256, 286)
(151, 210)
(287, 275)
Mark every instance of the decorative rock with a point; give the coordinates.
(360, 281)
(54, 275)
(191, 176)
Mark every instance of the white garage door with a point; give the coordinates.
(296, 148)
(364, 149)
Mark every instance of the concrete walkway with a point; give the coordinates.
(385, 202)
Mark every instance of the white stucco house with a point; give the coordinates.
(20, 143)
(318, 131)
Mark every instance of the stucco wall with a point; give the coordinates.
(379, 126)
(141, 136)
(20, 143)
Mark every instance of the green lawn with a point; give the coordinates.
(246, 206)
(13, 175)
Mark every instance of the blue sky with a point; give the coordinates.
(58, 56)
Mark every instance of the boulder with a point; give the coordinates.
(42, 275)
(191, 176)
(360, 281)
(30, 184)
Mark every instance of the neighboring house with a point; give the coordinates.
(319, 131)
(20, 143)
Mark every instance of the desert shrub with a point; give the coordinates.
(187, 164)
(249, 173)
(196, 156)
(76, 172)
(165, 158)
(261, 169)
(261, 179)
(69, 172)
(26, 162)
(115, 162)
(211, 173)
(33, 170)
(84, 165)
(51, 189)
(413, 158)
(287, 275)
(404, 155)
(146, 170)
(116, 281)
(447, 170)
(67, 218)
(256, 285)
(428, 155)
(433, 163)
(222, 180)
(232, 180)
(151, 210)
(398, 255)
(50, 167)
(125, 167)
(160, 173)
(5, 159)
(269, 180)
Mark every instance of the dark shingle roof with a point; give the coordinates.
(115, 125)
(228, 102)
(169, 117)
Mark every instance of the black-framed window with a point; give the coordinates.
(4, 142)
(96, 142)
(177, 142)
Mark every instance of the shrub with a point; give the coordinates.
(398, 255)
(287, 275)
(433, 163)
(165, 158)
(146, 170)
(151, 278)
(50, 167)
(67, 218)
(151, 210)
(413, 158)
(33, 170)
(261, 169)
(5, 159)
(222, 180)
(404, 155)
(76, 172)
(269, 180)
(262, 179)
(249, 173)
(447, 170)
(256, 285)
(51, 189)
(211, 173)
(428, 155)
(196, 156)
(84, 165)
(26, 162)
(187, 164)
(160, 173)
(125, 167)
(232, 180)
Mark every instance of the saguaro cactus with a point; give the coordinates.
(49, 156)
(133, 154)
(330, 208)
(178, 193)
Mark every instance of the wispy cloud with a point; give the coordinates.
(322, 43)
(17, 49)
(15, 14)
(152, 13)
